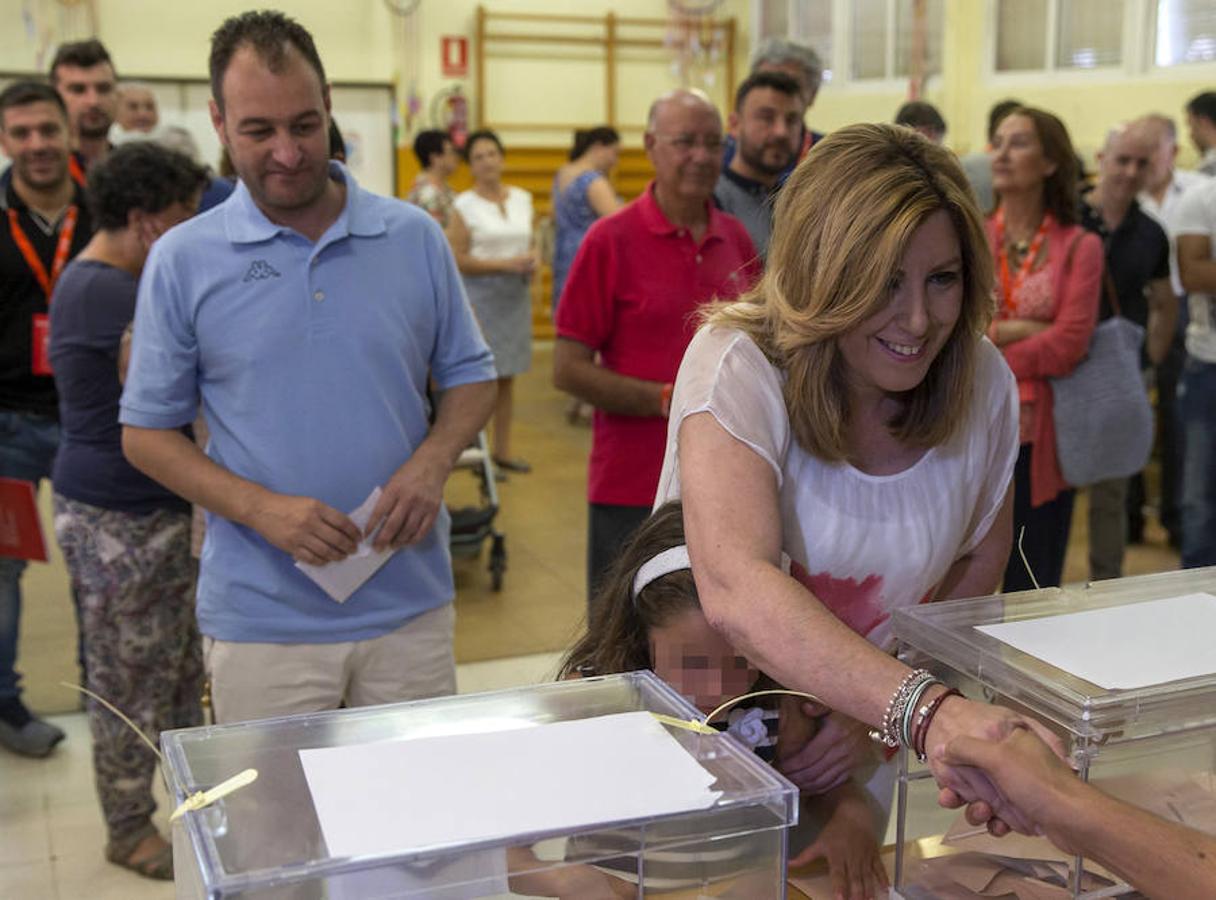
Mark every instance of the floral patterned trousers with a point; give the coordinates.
(134, 577)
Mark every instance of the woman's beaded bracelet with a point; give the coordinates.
(889, 733)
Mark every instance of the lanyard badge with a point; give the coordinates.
(40, 337)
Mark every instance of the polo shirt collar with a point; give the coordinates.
(753, 187)
(657, 223)
(1093, 219)
(247, 224)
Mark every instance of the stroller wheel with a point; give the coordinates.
(498, 561)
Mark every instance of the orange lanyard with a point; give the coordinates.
(1011, 284)
(66, 231)
(75, 170)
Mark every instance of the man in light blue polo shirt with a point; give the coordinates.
(307, 314)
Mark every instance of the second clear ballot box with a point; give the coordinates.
(1139, 720)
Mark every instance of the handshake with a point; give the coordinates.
(1018, 781)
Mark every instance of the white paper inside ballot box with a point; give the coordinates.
(1123, 647)
(396, 796)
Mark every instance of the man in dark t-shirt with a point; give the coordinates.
(1138, 266)
(766, 122)
(45, 225)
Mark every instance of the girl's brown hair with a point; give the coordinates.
(840, 228)
(618, 634)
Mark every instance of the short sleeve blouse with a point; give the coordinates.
(493, 235)
(865, 545)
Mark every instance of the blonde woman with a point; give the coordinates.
(849, 413)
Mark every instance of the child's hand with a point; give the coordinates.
(587, 883)
(849, 845)
(840, 745)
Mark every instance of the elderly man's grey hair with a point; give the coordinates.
(780, 51)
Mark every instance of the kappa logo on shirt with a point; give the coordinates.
(259, 270)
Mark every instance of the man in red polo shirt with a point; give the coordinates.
(631, 296)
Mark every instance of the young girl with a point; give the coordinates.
(649, 617)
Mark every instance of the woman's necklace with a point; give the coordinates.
(496, 194)
(1023, 261)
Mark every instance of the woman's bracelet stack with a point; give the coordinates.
(905, 722)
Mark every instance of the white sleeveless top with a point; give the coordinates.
(865, 545)
(491, 234)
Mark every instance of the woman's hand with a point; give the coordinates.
(958, 717)
(840, 746)
(525, 264)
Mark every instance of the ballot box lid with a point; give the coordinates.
(1145, 671)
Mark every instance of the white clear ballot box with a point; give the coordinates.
(273, 838)
(1123, 670)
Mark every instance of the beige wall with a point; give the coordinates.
(555, 83)
(360, 40)
(171, 37)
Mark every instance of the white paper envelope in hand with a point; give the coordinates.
(341, 579)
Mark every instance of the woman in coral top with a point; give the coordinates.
(1049, 276)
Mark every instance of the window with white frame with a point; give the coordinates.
(811, 22)
(806, 21)
(867, 39)
(1037, 35)
(1185, 32)
(1089, 33)
(884, 34)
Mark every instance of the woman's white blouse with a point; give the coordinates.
(865, 545)
(491, 234)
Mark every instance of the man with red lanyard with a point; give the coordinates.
(83, 74)
(44, 225)
(631, 297)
